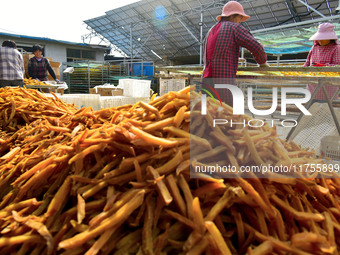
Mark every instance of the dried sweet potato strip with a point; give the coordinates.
(239, 226)
(176, 194)
(209, 187)
(33, 170)
(255, 195)
(90, 192)
(19, 239)
(181, 218)
(114, 221)
(59, 198)
(225, 140)
(37, 179)
(19, 205)
(125, 198)
(150, 108)
(179, 117)
(252, 149)
(80, 209)
(263, 249)
(171, 164)
(216, 235)
(220, 205)
(138, 171)
(277, 245)
(11, 154)
(187, 196)
(198, 216)
(150, 139)
(300, 216)
(330, 230)
(88, 206)
(147, 242)
(86, 151)
(199, 248)
(33, 223)
(95, 248)
(162, 189)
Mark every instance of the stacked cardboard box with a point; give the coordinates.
(26, 57)
(107, 91)
(56, 68)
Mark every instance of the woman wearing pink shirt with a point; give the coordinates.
(221, 49)
(325, 52)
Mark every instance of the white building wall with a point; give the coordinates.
(54, 50)
(99, 55)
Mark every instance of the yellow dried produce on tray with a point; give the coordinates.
(102, 182)
(317, 74)
(31, 81)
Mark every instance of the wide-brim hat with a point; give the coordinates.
(233, 7)
(325, 32)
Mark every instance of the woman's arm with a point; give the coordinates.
(21, 61)
(50, 70)
(31, 69)
(245, 39)
(308, 63)
(336, 56)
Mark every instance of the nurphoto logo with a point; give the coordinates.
(238, 100)
(239, 105)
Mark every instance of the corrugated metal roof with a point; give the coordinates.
(171, 28)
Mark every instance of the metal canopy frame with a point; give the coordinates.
(160, 30)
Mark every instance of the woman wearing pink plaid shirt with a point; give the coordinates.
(221, 49)
(325, 52)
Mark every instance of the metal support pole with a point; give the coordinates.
(146, 40)
(310, 7)
(201, 39)
(335, 95)
(69, 82)
(302, 23)
(142, 73)
(278, 60)
(242, 55)
(88, 75)
(192, 35)
(102, 72)
(131, 49)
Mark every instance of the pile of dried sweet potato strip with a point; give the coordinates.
(117, 181)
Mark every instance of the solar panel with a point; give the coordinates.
(171, 27)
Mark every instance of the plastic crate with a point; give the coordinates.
(87, 100)
(330, 147)
(167, 85)
(135, 88)
(82, 100)
(71, 99)
(114, 101)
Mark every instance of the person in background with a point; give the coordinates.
(38, 66)
(324, 52)
(221, 49)
(12, 68)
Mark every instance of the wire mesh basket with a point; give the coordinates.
(311, 129)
